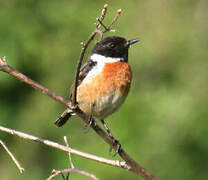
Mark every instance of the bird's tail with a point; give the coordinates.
(64, 117)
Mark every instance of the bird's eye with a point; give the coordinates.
(112, 45)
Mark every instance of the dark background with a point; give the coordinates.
(163, 123)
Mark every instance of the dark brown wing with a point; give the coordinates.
(84, 71)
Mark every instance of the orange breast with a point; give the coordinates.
(115, 77)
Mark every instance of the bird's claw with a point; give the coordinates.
(87, 126)
(118, 149)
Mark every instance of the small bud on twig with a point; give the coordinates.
(105, 6)
(119, 11)
(3, 61)
(113, 30)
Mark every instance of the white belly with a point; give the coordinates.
(107, 105)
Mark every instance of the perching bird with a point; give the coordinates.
(104, 80)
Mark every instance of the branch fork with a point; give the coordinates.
(128, 162)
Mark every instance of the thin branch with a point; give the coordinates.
(118, 14)
(79, 64)
(103, 13)
(21, 169)
(6, 68)
(57, 172)
(55, 145)
(130, 163)
(69, 153)
(103, 25)
(82, 53)
(70, 158)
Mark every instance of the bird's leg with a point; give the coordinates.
(107, 129)
(90, 121)
(118, 149)
(87, 126)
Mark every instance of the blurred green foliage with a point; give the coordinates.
(163, 123)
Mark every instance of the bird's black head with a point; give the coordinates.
(113, 46)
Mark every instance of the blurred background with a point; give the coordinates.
(163, 123)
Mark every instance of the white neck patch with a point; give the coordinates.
(102, 59)
(98, 68)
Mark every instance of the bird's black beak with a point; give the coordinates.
(132, 41)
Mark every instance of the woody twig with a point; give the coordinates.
(130, 163)
(84, 173)
(21, 169)
(70, 170)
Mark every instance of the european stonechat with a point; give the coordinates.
(104, 80)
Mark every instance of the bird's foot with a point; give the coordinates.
(118, 148)
(87, 126)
